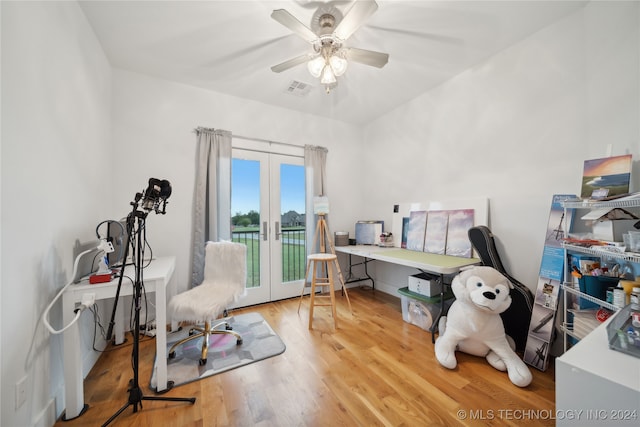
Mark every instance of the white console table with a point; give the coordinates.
(597, 386)
(157, 276)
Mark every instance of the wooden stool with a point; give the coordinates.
(326, 262)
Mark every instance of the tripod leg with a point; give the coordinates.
(315, 235)
(136, 398)
(344, 287)
(135, 393)
(114, 416)
(323, 235)
(171, 399)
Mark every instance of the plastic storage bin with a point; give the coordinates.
(596, 286)
(420, 310)
(341, 238)
(622, 335)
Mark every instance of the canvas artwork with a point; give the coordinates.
(405, 232)
(606, 177)
(417, 226)
(458, 244)
(435, 240)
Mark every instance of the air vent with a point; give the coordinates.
(299, 89)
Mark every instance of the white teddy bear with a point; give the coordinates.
(473, 324)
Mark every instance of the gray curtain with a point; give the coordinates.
(212, 198)
(315, 166)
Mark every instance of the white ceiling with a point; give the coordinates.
(229, 46)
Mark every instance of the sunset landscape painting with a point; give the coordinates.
(606, 177)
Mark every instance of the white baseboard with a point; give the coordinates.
(90, 359)
(47, 417)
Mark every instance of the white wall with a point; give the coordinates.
(516, 129)
(56, 156)
(153, 122)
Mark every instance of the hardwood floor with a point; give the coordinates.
(375, 370)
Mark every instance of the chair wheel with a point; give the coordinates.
(228, 327)
(172, 355)
(238, 342)
(202, 362)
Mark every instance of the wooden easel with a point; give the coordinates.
(323, 236)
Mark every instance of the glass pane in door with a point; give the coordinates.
(245, 208)
(292, 208)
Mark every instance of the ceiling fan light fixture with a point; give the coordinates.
(330, 28)
(338, 64)
(327, 76)
(316, 65)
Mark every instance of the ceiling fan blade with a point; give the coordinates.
(354, 18)
(367, 57)
(290, 63)
(292, 23)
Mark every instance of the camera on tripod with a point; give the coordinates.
(155, 195)
(153, 198)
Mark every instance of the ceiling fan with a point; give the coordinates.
(329, 58)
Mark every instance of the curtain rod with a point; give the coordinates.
(266, 140)
(247, 138)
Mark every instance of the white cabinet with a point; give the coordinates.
(597, 386)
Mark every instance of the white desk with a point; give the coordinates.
(597, 386)
(431, 263)
(440, 265)
(156, 278)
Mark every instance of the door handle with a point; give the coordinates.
(278, 230)
(265, 233)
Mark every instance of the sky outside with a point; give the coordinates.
(245, 187)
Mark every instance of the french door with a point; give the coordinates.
(268, 215)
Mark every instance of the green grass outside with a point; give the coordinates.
(293, 255)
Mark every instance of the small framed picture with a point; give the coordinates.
(600, 193)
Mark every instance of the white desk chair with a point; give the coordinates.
(225, 276)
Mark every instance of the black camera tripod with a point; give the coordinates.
(135, 228)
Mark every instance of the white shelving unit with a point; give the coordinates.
(568, 287)
(594, 384)
(568, 327)
(620, 256)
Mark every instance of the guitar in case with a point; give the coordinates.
(517, 317)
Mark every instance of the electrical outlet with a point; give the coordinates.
(21, 392)
(88, 299)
